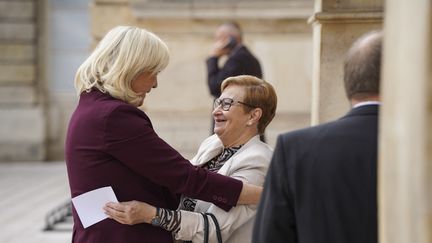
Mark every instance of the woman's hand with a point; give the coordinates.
(132, 212)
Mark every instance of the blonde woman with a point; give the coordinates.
(110, 142)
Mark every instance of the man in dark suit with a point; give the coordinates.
(229, 42)
(321, 184)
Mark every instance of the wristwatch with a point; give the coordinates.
(156, 220)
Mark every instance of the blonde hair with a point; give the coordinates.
(258, 94)
(123, 54)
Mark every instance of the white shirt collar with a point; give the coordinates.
(366, 103)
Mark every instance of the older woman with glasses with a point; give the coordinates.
(242, 112)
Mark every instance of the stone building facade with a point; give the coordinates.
(276, 31)
(64, 32)
(22, 99)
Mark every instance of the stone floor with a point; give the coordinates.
(29, 190)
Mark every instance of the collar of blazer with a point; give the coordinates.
(236, 50)
(365, 110)
(213, 146)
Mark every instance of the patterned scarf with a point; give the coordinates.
(213, 165)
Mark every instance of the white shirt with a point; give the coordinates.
(366, 103)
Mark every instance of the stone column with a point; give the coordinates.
(405, 168)
(336, 24)
(22, 126)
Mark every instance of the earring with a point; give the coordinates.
(249, 123)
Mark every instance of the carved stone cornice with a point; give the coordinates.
(222, 9)
(347, 17)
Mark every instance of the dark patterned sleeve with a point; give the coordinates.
(169, 219)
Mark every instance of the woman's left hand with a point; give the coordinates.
(132, 212)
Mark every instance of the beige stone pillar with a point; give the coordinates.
(336, 24)
(22, 126)
(405, 171)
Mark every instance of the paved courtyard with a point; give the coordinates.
(28, 192)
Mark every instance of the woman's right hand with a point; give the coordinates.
(131, 212)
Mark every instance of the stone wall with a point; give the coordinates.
(278, 34)
(276, 31)
(37, 99)
(22, 130)
(337, 23)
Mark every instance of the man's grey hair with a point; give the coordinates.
(362, 67)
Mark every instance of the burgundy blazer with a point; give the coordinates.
(112, 143)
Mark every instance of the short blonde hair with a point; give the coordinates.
(258, 94)
(123, 54)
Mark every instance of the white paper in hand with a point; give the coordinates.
(89, 205)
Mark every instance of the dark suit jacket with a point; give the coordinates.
(240, 62)
(112, 143)
(321, 185)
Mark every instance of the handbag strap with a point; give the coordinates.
(206, 227)
(218, 231)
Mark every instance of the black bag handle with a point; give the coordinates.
(218, 231)
(206, 227)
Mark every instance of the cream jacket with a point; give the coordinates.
(248, 164)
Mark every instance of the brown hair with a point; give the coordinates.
(362, 67)
(258, 94)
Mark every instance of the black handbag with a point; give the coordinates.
(206, 227)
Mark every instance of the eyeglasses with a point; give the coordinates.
(226, 103)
